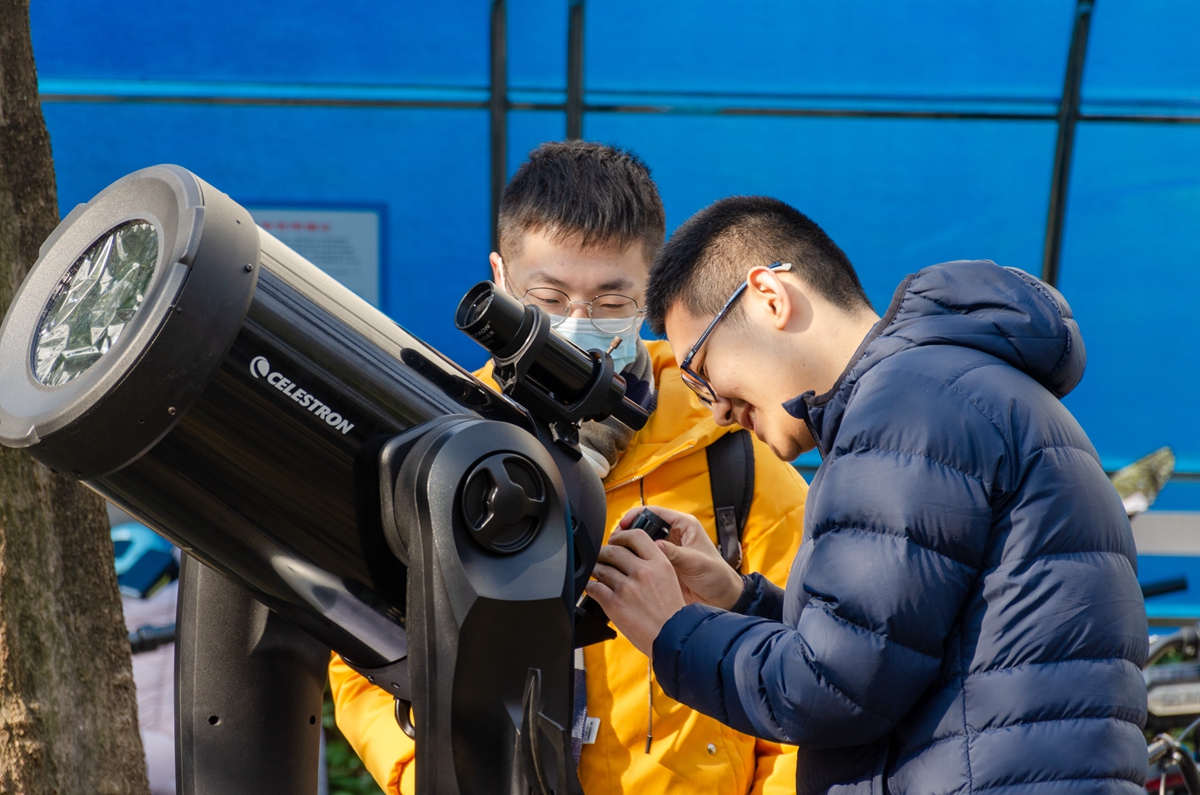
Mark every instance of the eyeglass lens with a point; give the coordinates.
(700, 387)
(609, 313)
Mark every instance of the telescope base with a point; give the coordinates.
(248, 691)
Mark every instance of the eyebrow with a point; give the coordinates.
(615, 284)
(542, 276)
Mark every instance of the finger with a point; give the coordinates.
(618, 558)
(638, 541)
(607, 574)
(689, 560)
(693, 536)
(669, 549)
(677, 554)
(629, 516)
(601, 593)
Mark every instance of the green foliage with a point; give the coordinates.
(347, 776)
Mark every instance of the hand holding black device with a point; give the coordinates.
(592, 626)
(655, 526)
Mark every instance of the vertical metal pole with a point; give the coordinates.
(248, 687)
(575, 71)
(1068, 116)
(498, 108)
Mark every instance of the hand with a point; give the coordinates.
(703, 574)
(637, 587)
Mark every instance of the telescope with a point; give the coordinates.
(334, 482)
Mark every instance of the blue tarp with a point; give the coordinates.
(702, 90)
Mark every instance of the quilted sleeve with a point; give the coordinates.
(897, 533)
(366, 717)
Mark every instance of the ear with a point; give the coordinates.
(768, 297)
(497, 270)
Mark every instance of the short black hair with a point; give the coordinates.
(577, 190)
(708, 256)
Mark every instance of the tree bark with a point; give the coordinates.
(68, 712)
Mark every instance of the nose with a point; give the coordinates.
(722, 411)
(578, 309)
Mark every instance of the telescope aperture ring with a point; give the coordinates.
(131, 395)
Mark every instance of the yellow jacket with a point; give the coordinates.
(665, 465)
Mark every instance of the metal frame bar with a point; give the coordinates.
(1140, 118)
(793, 112)
(498, 107)
(440, 104)
(324, 102)
(574, 106)
(1064, 147)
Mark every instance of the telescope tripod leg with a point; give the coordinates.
(248, 691)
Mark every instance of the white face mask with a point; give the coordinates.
(580, 331)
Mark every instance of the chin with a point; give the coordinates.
(785, 450)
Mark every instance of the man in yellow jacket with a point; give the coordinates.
(580, 224)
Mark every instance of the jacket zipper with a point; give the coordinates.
(650, 659)
(643, 475)
(649, 662)
(649, 702)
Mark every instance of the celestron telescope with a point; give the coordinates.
(335, 483)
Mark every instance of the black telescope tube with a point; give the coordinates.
(242, 409)
(503, 325)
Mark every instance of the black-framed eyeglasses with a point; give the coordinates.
(694, 380)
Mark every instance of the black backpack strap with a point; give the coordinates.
(731, 474)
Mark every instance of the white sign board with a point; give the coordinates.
(343, 243)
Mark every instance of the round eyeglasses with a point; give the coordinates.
(610, 313)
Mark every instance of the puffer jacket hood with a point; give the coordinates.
(1003, 312)
(964, 614)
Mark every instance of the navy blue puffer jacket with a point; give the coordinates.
(964, 614)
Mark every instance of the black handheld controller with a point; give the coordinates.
(592, 626)
(655, 526)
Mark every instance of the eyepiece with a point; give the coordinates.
(493, 319)
(474, 307)
(561, 371)
(655, 526)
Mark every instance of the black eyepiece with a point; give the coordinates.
(568, 382)
(493, 319)
(473, 308)
(655, 526)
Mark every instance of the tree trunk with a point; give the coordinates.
(68, 713)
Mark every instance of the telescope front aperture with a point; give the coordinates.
(94, 302)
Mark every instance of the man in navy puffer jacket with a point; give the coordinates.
(964, 614)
